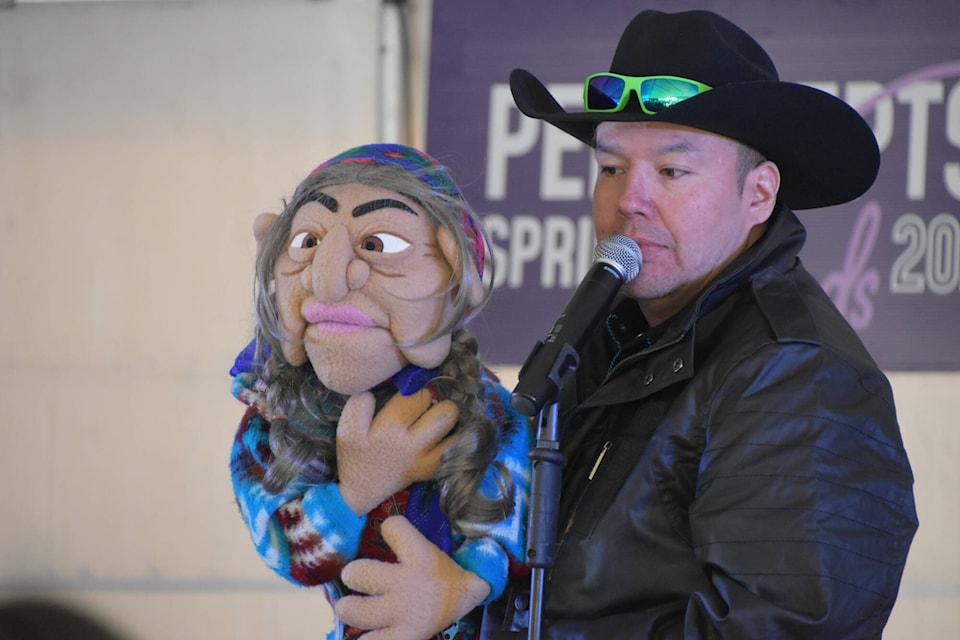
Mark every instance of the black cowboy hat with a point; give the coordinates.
(826, 152)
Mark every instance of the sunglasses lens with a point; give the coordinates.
(659, 93)
(604, 93)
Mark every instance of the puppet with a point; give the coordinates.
(373, 431)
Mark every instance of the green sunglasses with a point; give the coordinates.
(610, 92)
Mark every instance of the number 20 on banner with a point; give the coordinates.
(931, 256)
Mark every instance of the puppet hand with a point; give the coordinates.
(380, 455)
(422, 594)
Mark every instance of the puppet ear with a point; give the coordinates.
(293, 352)
(262, 226)
(448, 247)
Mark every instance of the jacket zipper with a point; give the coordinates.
(596, 465)
(593, 471)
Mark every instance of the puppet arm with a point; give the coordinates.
(490, 547)
(421, 594)
(379, 455)
(445, 589)
(305, 533)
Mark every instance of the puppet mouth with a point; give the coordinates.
(337, 319)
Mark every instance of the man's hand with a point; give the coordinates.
(419, 596)
(380, 455)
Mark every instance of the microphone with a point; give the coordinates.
(616, 261)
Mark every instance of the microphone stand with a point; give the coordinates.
(548, 463)
(537, 393)
(549, 366)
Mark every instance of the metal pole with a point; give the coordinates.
(548, 465)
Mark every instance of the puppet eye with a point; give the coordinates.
(304, 240)
(384, 243)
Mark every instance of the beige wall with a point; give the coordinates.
(137, 143)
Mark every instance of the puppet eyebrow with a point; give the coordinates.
(327, 201)
(383, 203)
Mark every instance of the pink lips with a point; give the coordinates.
(337, 319)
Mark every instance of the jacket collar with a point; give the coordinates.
(668, 356)
(777, 249)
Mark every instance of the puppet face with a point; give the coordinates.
(365, 270)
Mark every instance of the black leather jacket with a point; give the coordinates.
(737, 473)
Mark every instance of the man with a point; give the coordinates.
(734, 464)
(735, 468)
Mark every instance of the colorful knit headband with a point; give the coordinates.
(427, 170)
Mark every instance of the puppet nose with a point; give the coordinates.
(336, 269)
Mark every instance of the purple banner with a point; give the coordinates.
(890, 260)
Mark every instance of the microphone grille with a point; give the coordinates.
(622, 253)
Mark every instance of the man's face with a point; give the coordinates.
(362, 273)
(674, 190)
